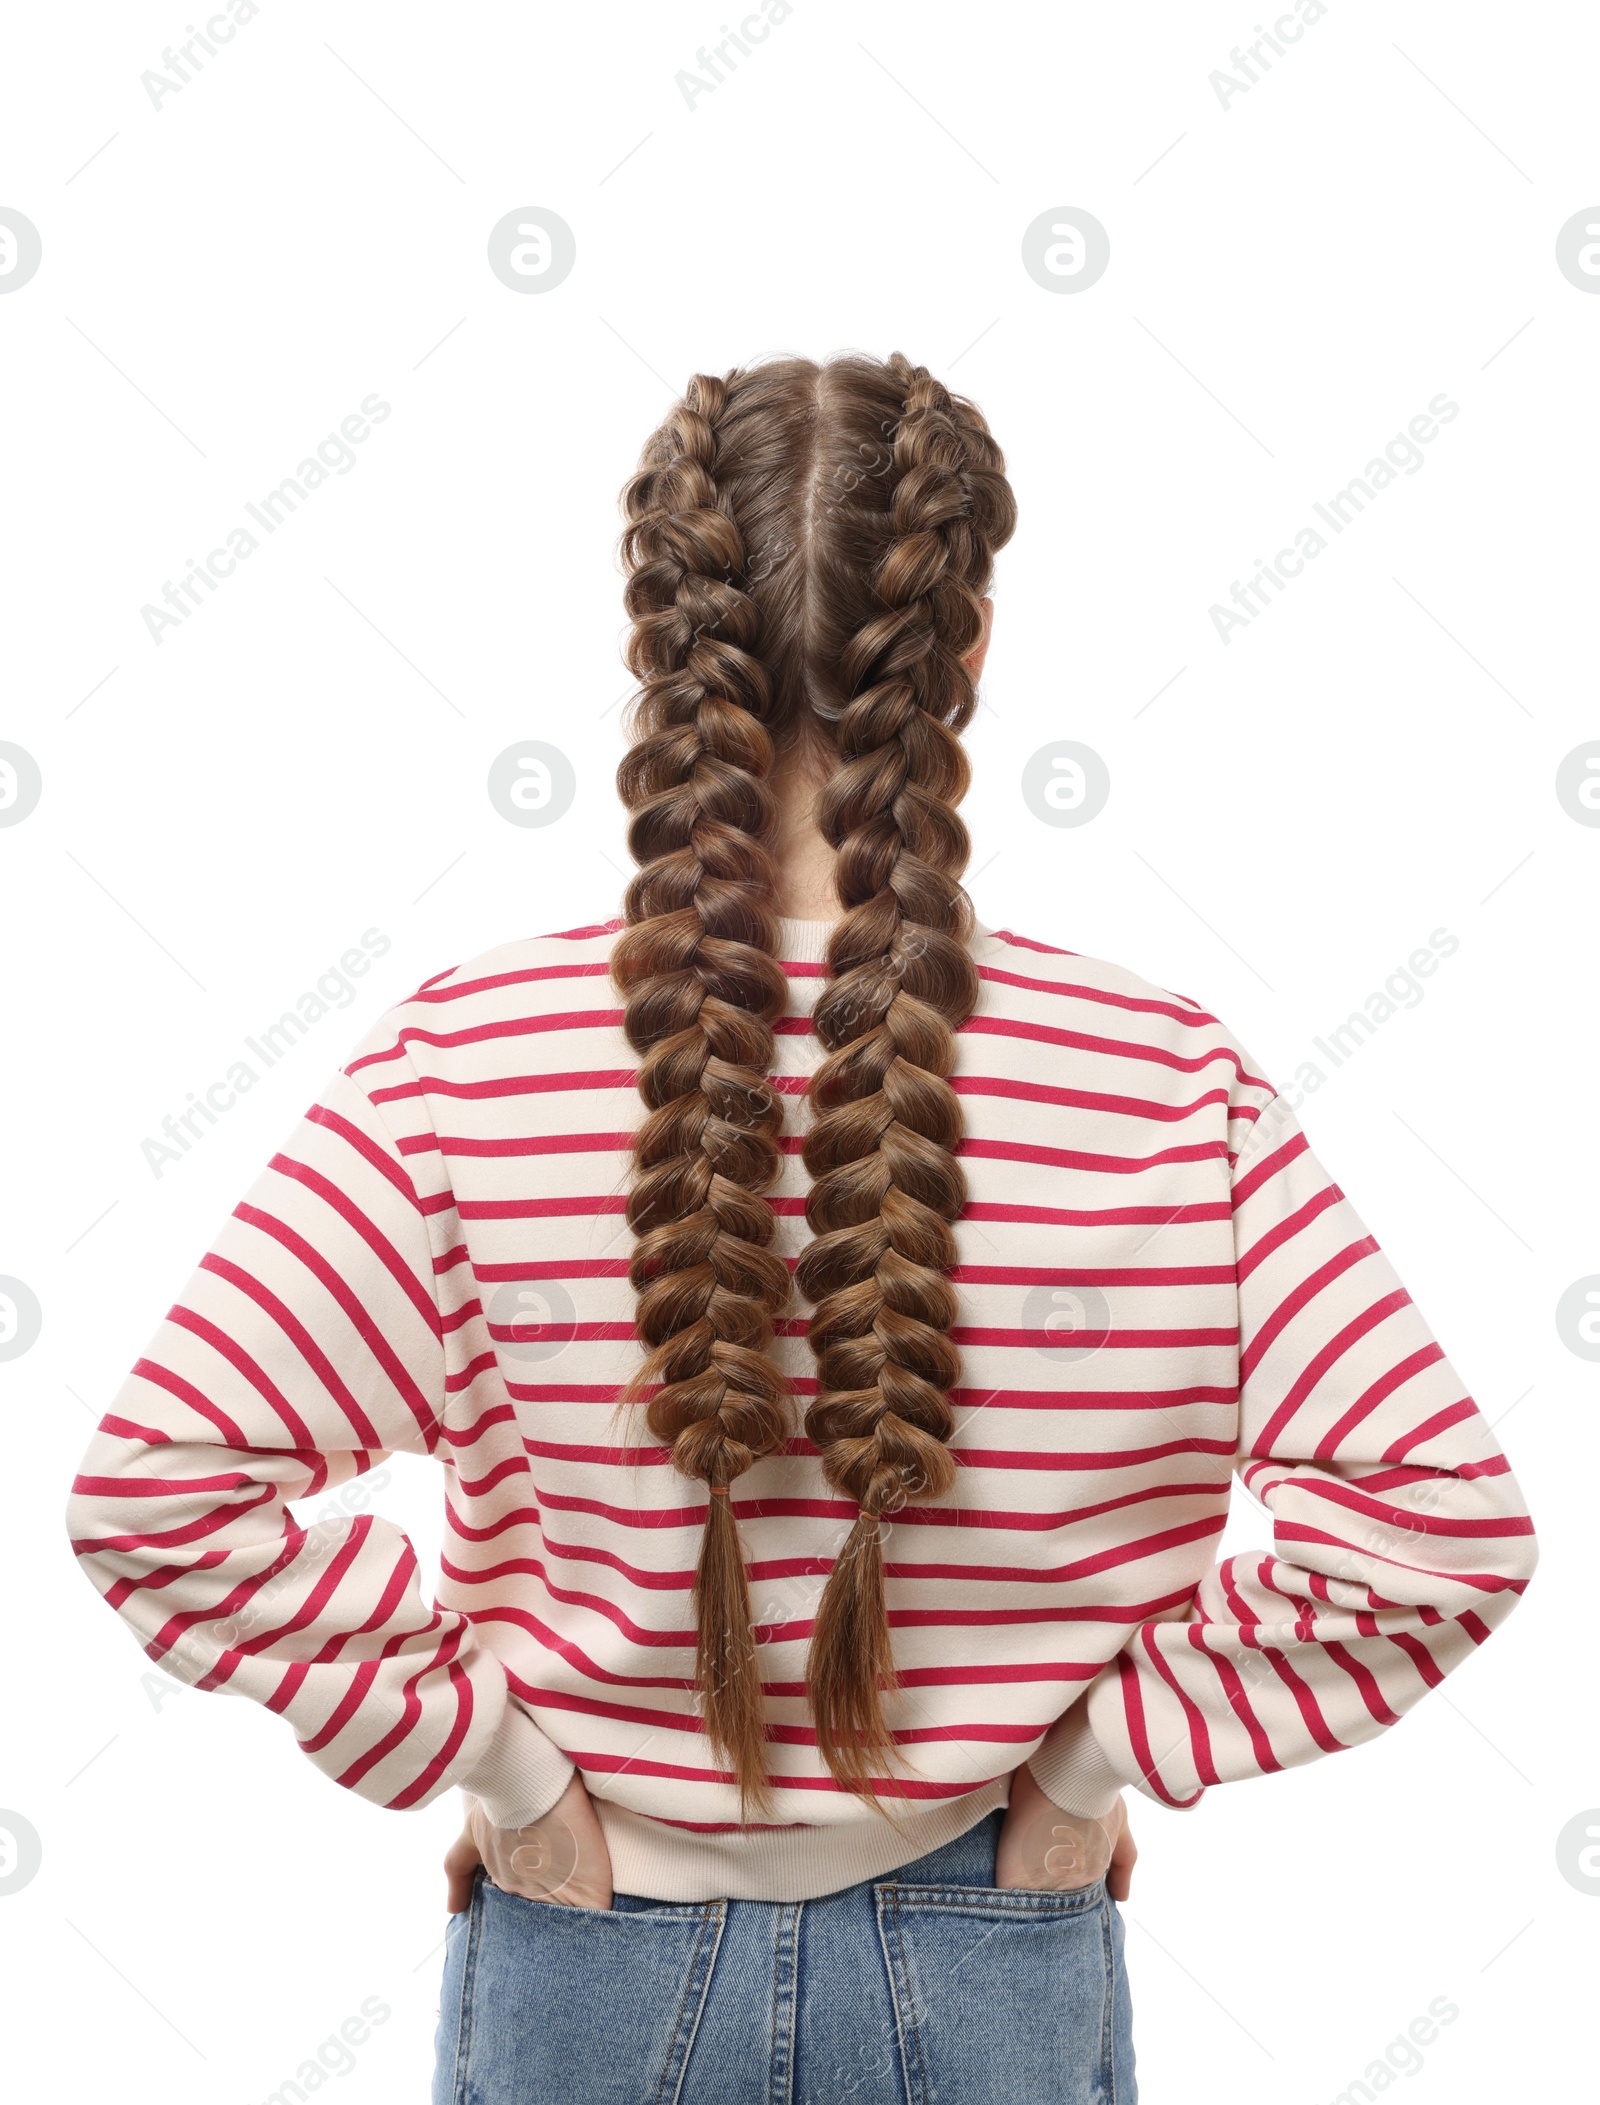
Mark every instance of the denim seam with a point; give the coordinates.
(785, 1996)
(1002, 1899)
(711, 1908)
(469, 1967)
(1108, 2012)
(908, 2019)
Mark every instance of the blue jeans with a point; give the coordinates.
(931, 1987)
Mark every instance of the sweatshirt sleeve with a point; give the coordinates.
(1400, 1538)
(307, 1346)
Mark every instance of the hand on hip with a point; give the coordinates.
(561, 1858)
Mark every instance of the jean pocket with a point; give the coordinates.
(591, 2006)
(1004, 1993)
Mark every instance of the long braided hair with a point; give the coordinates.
(806, 549)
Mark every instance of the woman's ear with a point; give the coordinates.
(980, 650)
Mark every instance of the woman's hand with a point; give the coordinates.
(562, 1858)
(1045, 1849)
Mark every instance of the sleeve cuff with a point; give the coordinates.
(1072, 1770)
(520, 1774)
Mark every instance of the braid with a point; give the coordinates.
(702, 989)
(886, 1185)
(805, 546)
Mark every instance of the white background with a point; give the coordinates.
(1292, 279)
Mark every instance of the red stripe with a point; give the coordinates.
(1484, 1581)
(1084, 1159)
(1238, 1701)
(1365, 1681)
(1150, 1110)
(607, 1764)
(1078, 990)
(522, 1145)
(1199, 1738)
(1113, 1048)
(1044, 1340)
(1138, 1734)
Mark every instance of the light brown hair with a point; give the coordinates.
(806, 550)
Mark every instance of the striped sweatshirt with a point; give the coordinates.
(1159, 1285)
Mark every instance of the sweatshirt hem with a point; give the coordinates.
(799, 1862)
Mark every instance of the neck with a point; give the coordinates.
(803, 861)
